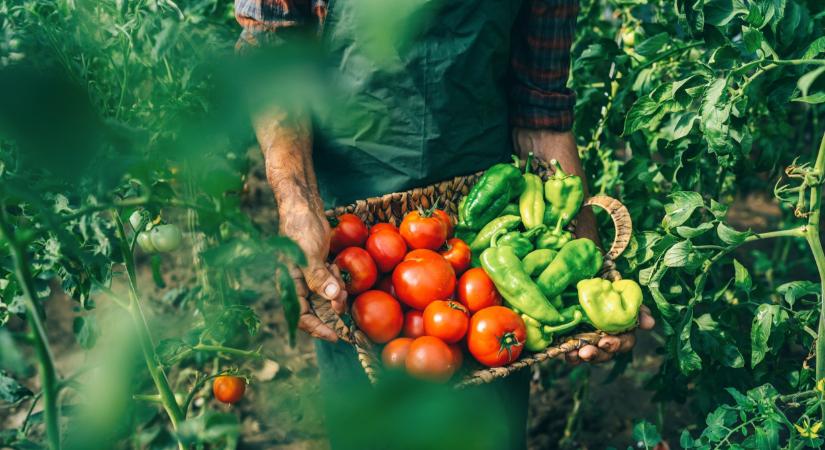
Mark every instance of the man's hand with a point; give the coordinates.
(561, 146)
(286, 142)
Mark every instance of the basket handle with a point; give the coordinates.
(621, 222)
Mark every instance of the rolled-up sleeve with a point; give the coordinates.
(540, 63)
(263, 21)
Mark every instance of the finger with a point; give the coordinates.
(646, 320)
(610, 344)
(588, 352)
(321, 281)
(572, 357)
(601, 357)
(315, 328)
(628, 341)
(339, 303)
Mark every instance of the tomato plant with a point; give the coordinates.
(228, 388)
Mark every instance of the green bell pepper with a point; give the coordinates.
(510, 210)
(531, 202)
(540, 336)
(565, 193)
(520, 241)
(577, 260)
(482, 239)
(610, 307)
(537, 260)
(491, 194)
(514, 284)
(555, 238)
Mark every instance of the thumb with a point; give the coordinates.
(323, 282)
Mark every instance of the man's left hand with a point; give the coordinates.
(608, 346)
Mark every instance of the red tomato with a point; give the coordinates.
(496, 336)
(458, 355)
(429, 358)
(413, 324)
(348, 231)
(423, 230)
(395, 352)
(424, 276)
(446, 320)
(378, 315)
(385, 284)
(458, 254)
(383, 226)
(357, 268)
(441, 214)
(476, 290)
(387, 248)
(228, 389)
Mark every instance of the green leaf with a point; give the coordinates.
(720, 12)
(692, 232)
(208, 427)
(761, 331)
(679, 255)
(86, 331)
(730, 236)
(719, 210)
(767, 436)
(289, 301)
(816, 47)
(646, 434)
(168, 350)
(752, 39)
(689, 361)
(814, 99)
(10, 390)
(717, 423)
(653, 44)
(642, 114)
(742, 279)
(716, 108)
(805, 81)
(681, 207)
(795, 289)
(686, 441)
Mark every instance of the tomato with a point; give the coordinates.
(448, 222)
(228, 389)
(357, 268)
(387, 248)
(424, 276)
(383, 226)
(496, 336)
(348, 231)
(385, 284)
(165, 238)
(413, 324)
(476, 290)
(423, 230)
(378, 315)
(458, 355)
(145, 242)
(395, 352)
(446, 320)
(135, 219)
(458, 254)
(429, 358)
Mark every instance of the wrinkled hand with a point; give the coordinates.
(608, 346)
(309, 228)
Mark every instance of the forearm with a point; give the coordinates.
(286, 142)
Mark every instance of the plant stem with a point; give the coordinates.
(812, 236)
(167, 397)
(37, 334)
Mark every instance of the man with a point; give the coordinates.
(443, 88)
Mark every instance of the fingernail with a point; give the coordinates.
(331, 290)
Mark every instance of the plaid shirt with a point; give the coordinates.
(540, 53)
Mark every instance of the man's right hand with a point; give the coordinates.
(308, 227)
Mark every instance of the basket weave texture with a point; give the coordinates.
(392, 208)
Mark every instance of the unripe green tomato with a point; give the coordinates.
(166, 238)
(628, 37)
(135, 219)
(145, 242)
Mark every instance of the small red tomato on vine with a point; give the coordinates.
(458, 254)
(348, 230)
(357, 269)
(228, 389)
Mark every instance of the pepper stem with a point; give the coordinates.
(496, 236)
(557, 229)
(558, 172)
(529, 161)
(577, 318)
(516, 161)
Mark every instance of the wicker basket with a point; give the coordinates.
(392, 208)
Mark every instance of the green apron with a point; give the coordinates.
(417, 94)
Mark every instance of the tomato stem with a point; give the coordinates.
(812, 237)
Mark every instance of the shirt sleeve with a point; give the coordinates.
(540, 63)
(265, 22)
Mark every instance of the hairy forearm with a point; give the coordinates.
(286, 142)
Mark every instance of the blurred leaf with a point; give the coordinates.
(816, 47)
(86, 331)
(720, 12)
(10, 390)
(793, 290)
(645, 434)
(211, 427)
(169, 350)
(653, 44)
(289, 301)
